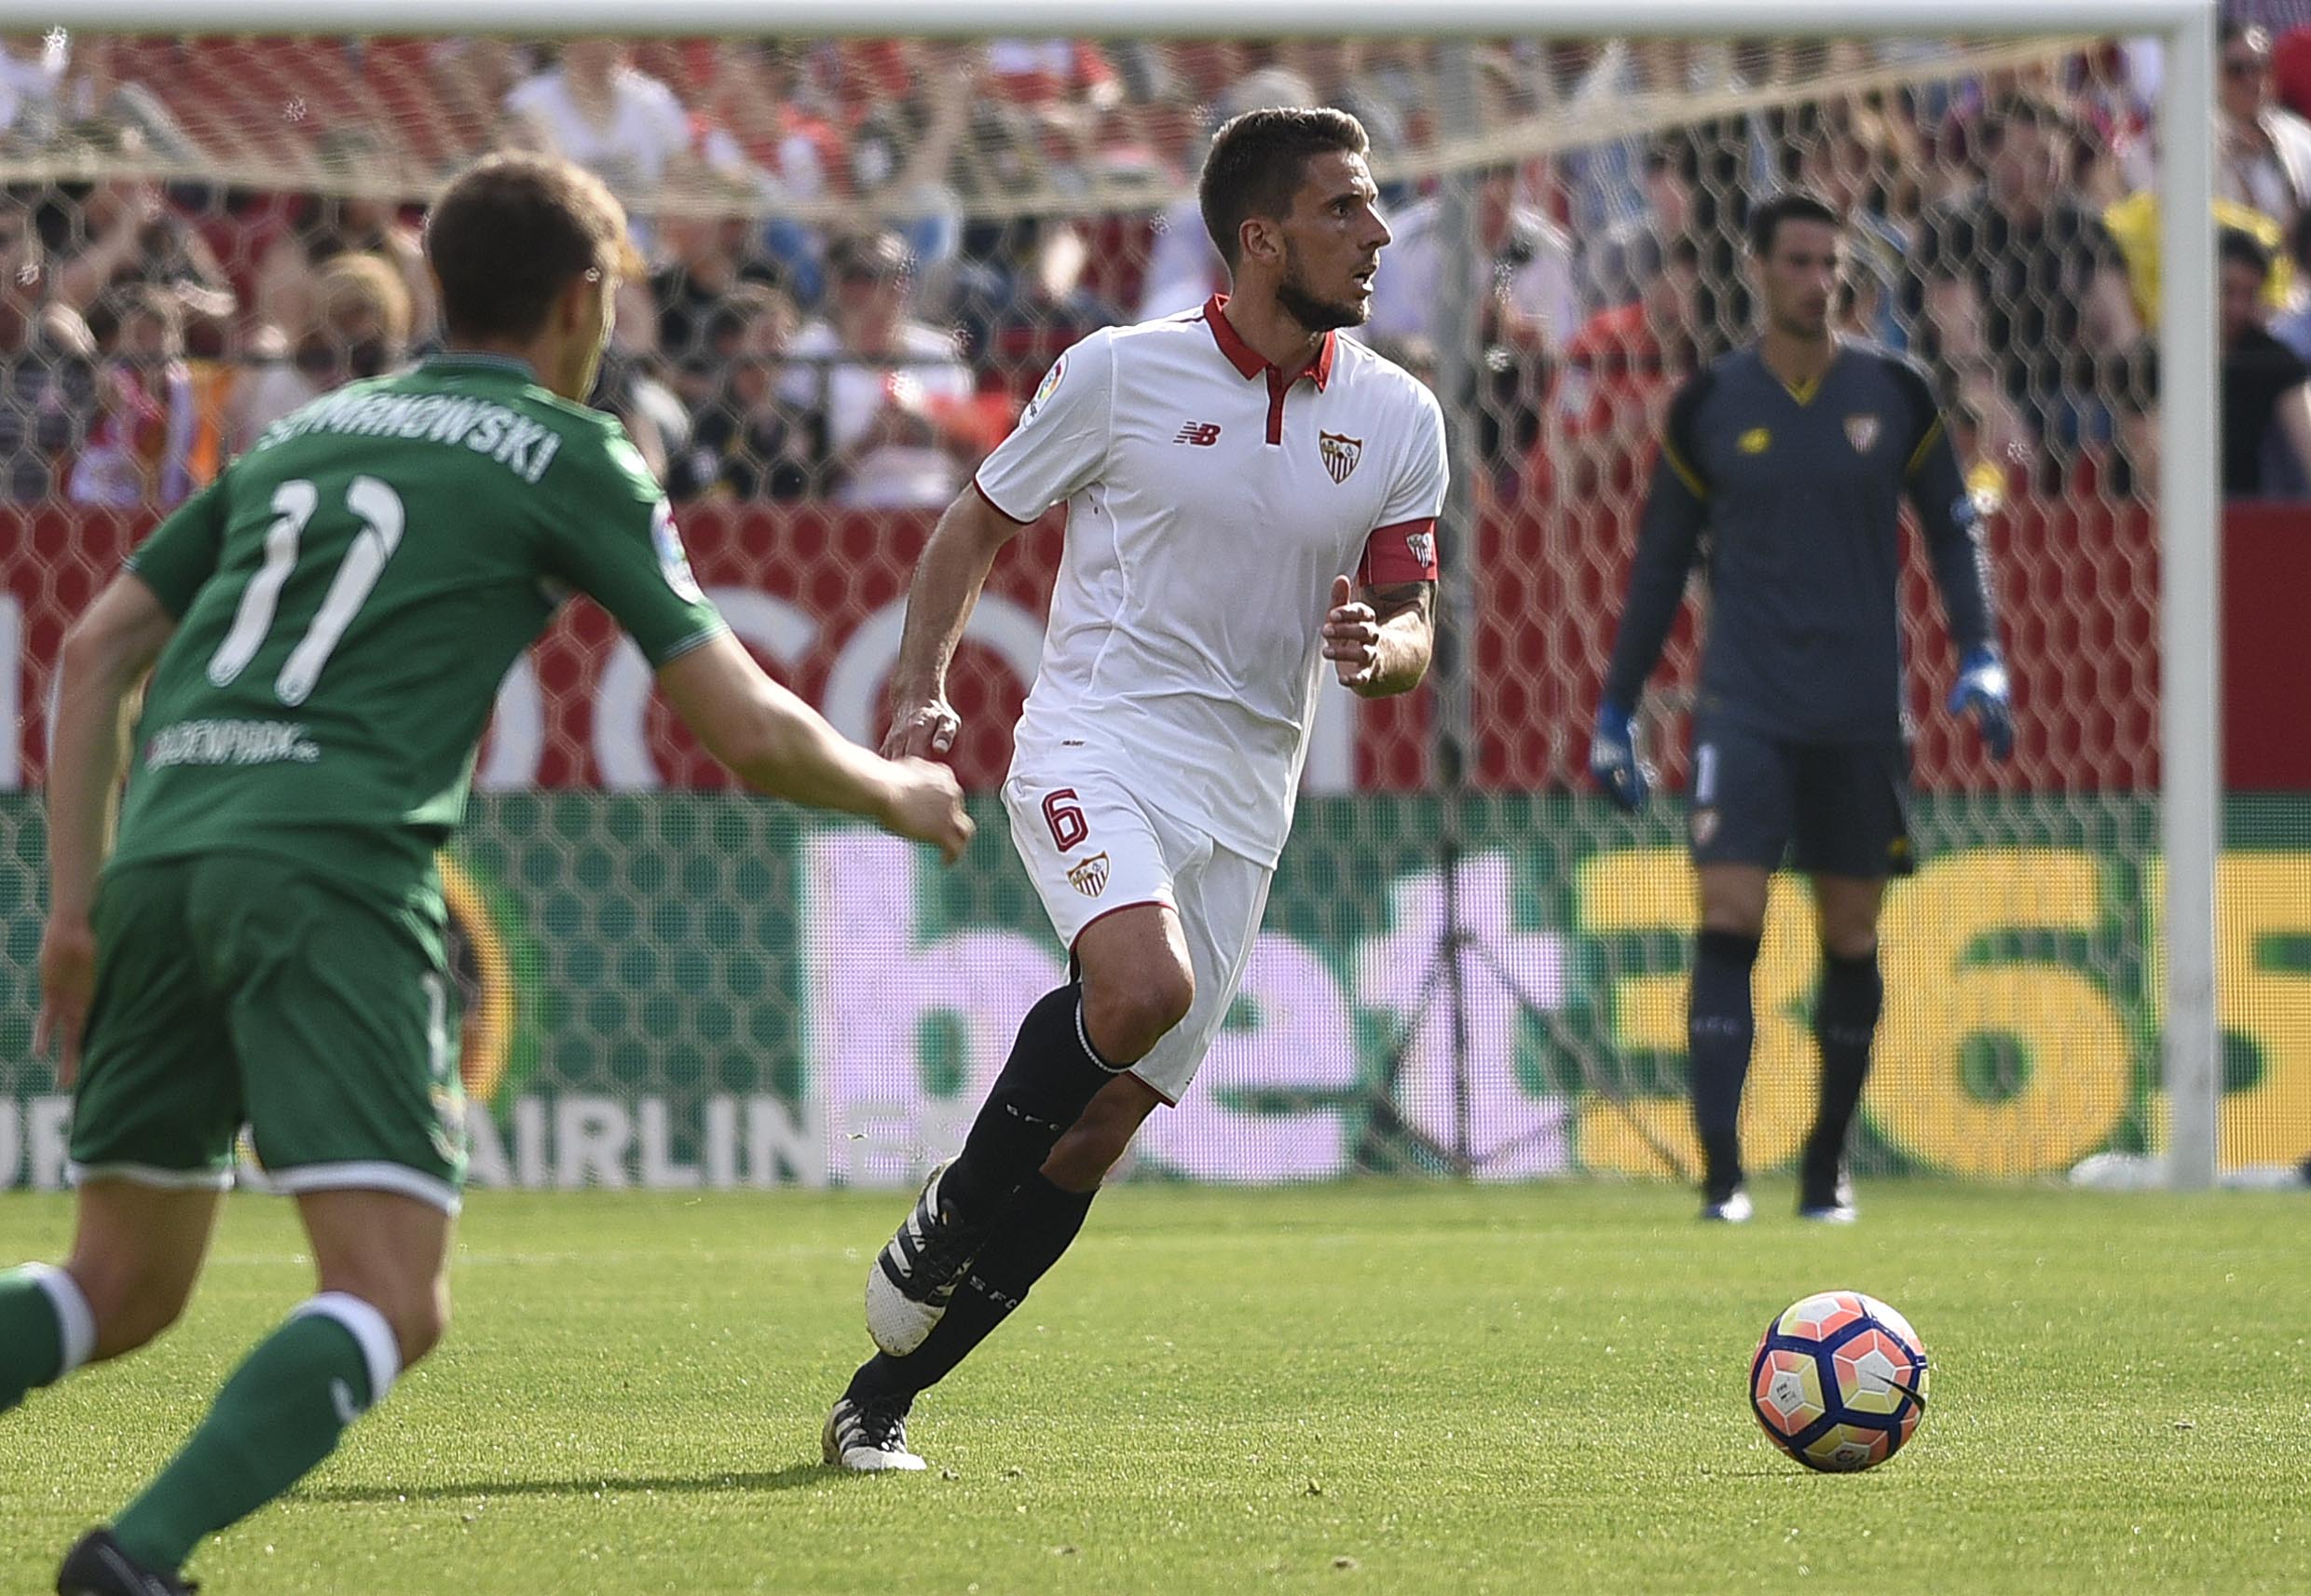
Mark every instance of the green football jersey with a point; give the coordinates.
(349, 593)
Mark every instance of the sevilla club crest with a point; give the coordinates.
(1088, 876)
(1862, 432)
(1340, 452)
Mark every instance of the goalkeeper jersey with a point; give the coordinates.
(1792, 501)
(349, 593)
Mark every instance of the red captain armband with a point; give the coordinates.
(1404, 552)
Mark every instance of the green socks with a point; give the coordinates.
(46, 1329)
(280, 1413)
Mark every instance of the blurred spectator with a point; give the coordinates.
(138, 450)
(95, 96)
(1520, 269)
(889, 393)
(470, 77)
(652, 415)
(32, 77)
(1612, 390)
(2133, 226)
(1052, 74)
(47, 385)
(2262, 152)
(123, 231)
(2024, 295)
(708, 260)
(2292, 325)
(1856, 163)
(903, 159)
(357, 326)
(2266, 401)
(331, 227)
(594, 108)
(746, 441)
(1018, 313)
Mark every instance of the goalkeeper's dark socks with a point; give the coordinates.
(280, 1414)
(1845, 1021)
(1036, 1228)
(1052, 1072)
(47, 1330)
(1719, 1026)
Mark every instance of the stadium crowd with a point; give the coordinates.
(864, 255)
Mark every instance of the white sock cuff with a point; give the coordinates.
(380, 1350)
(75, 1321)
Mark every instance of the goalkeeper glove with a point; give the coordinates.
(1983, 691)
(1613, 759)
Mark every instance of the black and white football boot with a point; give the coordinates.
(98, 1567)
(915, 1275)
(1725, 1200)
(1825, 1193)
(869, 1436)
(1726, 1204)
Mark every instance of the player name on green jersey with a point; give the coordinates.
(521, 444)
(350, 593)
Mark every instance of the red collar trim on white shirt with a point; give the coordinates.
(1248, 360)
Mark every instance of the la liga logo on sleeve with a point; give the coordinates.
(672, 559)
(1043, 391)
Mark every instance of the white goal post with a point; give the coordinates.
(2190, 810)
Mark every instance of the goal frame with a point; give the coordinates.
(2189, 508)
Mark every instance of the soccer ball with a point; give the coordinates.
(1839, 1381)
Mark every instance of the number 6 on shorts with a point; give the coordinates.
(1065, 816)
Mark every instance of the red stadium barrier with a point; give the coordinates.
(819, 592)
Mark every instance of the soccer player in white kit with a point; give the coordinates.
(1248, 496)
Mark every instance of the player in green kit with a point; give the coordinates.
(326, 625)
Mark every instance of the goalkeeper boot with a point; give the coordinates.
(1825, 1192)
(1724, 1199)
(916, 1273)
(869, 1436)
(98, 1567)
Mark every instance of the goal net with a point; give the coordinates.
(670, 983)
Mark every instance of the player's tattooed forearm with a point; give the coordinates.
(1400, 598)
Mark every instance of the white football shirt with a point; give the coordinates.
(1209, 505)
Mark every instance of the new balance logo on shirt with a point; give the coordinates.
(1203, 434)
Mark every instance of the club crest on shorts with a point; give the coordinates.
(1704, 826)
(1862, 432)
(1341, 453)
(1088, 876)
(1423, 547)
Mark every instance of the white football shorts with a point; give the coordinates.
(1091, 848)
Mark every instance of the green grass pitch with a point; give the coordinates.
(1376, 1387)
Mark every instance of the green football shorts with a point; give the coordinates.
(237, 989)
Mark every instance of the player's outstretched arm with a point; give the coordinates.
(1379, 639)
(939, 600)
(1952, 524)
(106, 653)
(778, 744)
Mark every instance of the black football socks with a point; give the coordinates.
(1845, 1021)
(1719, 1026)
(1052, 1073)
(1036, 1229)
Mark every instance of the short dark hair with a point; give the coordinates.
(511, 232)
(1790, 205)
(1258, 162)
(2238, 246)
